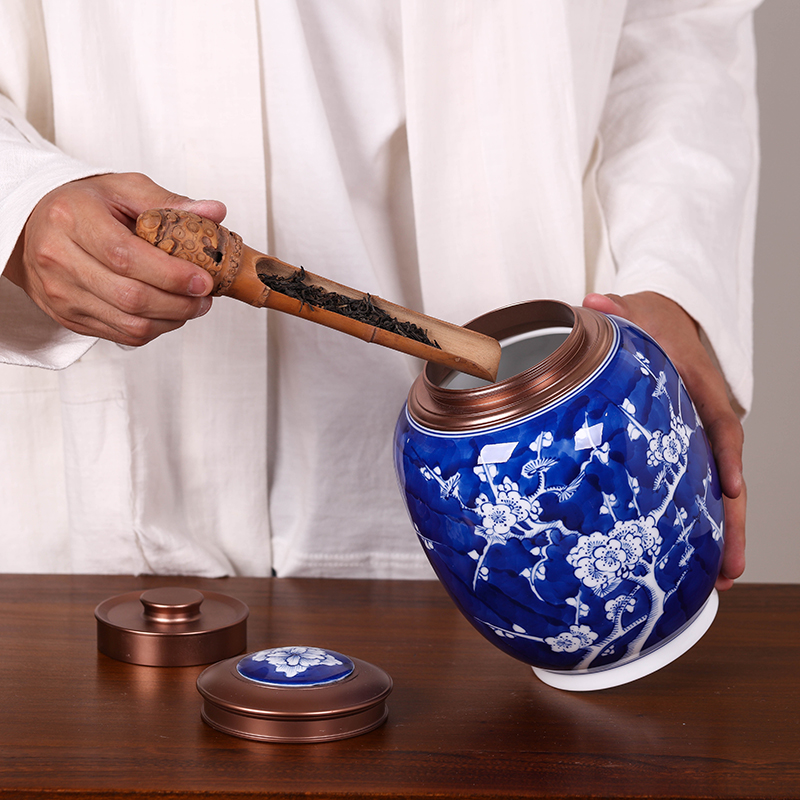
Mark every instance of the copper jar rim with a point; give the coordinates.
(589, 342)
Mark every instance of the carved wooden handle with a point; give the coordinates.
(220, 252)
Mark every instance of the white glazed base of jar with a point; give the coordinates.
(589, 681)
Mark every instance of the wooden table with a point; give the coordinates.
(465, 720)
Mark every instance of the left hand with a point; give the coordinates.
(678, 334)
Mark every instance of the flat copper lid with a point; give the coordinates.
(294, 694)
(590, 339)
(171, 627)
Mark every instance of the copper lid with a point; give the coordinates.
(588, 339)
(294, 694)
(171, 627)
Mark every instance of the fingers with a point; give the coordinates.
(678, 334)
(95, 319)
(83, 265)
(92, 300)
(733, 558)
(122, 254)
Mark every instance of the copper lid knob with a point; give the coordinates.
(171, 604)
(171, 627)
(294, 694)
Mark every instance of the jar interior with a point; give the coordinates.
(519, 353)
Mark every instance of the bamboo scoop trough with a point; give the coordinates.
(236, 270)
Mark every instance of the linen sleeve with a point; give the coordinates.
(30, 167)
(678, 175)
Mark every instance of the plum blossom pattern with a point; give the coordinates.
(498, 518)
(601, 520)
(601, 560)
(508, 509)
(518, 506)
(577, 637)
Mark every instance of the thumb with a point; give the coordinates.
(210, 209)
(605, 303)
(137, 193)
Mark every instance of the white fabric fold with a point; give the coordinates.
(679, 157)
(452, 157)
(494, 153)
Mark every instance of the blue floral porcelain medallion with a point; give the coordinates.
(572, 509)
(295, 666)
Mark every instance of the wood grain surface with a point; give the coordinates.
(465, 720)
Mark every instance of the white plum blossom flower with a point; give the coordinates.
(602, 560)
(519, 506)
(671, 448)
(577, 637)
(498, 518)
(293, 660)
(510, 508)
(642, 529)
(668, 448)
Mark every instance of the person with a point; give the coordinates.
(452, 158)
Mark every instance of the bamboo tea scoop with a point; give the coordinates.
(237, 270)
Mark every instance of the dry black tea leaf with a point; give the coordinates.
(360, 309)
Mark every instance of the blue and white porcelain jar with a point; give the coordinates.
(572, 508)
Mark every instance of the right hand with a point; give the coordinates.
(679, 335)
(79, 260)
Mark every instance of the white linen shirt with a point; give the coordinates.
(452, 157)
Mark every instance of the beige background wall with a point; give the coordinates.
(772, 430)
